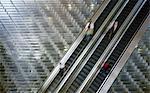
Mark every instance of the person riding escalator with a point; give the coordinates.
(89, 30)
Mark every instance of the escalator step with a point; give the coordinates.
(95, 58)
(73, 55)
(93, 88)
(113, 58)
(85, 71)
(101, 77)
(91, 63)
(71, 89)
(90, 90)
(111, 63)
(80, 78)
(103, 74)
(101, 47)
(116, 55)
(67, 64)
(77, 80)
(119, 49)
(98, 75)
(76, 52)
(118, 52)
(70, 60)
(88, 67)
(95, 84)
(100, 52)
(92, 60)
(83, 74)
(97, 53)
(75, 84)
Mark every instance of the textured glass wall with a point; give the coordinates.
(35, 34)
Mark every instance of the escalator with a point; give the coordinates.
(76, 52)
(98, 52)
(89, 65)
(115, 56)
(69, 62)
(83, 44)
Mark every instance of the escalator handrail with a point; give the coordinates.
(88, 47)
(56, 70)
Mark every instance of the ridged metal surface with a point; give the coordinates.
(35, 34)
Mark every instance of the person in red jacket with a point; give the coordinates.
(106, 66)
